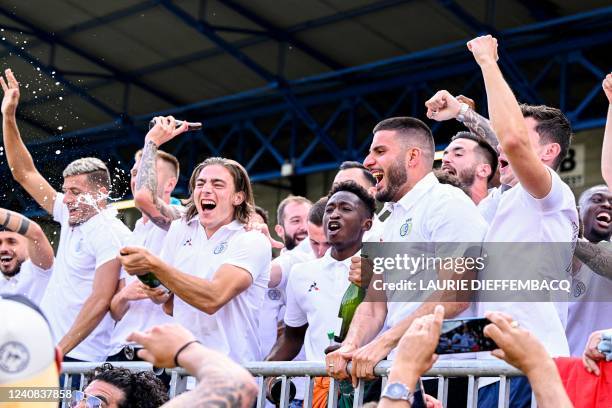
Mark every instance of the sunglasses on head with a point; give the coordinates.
(79, 398)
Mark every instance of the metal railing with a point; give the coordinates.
(442, 371)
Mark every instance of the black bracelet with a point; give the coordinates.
(179, 351)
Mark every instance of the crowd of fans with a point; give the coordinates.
(215, 297)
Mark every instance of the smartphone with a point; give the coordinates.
(191, 125)
(464, 336)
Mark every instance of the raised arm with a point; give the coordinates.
(288, 344)
(444, 106)
(19, 160)
(39, 248)
(597, 256)
(146, 195)
(508, 122)
(606, 152)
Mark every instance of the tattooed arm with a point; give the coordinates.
(221, 382)
(146, 196)
(39, 248)
(598, 257)
(444, 106)
(480, 126)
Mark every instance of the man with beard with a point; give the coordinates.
(591, 311)
(26, 257)
(86, 272)
(292, 217)
(315, 288)
(422, 210)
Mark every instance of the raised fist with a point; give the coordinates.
(484, 49)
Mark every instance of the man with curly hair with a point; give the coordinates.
(117, 387)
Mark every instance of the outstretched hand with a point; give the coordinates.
(10, 86)
(484, 49)
(442, 106)
(165, 129)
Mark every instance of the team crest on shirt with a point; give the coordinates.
(220, 248)
(187, 242)
(578, 288)
(14, 357)
(274, 294)
(406, 227)
(313, 287)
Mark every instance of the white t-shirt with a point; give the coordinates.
(519, 217)
(314, 293)
(142, 314)
(287, 259)
(31, 282)
(82, 250)
(588, 313)
(233, 329)
(431, 212)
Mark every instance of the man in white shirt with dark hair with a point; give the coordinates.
(217, 271)
(538, 208)
(86, 273)
(26, 257)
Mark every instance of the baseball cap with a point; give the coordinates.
(27, 350)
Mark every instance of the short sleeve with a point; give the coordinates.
(60, 210)
(455, 218)
(106, 247)
(555, 200)
(294, 314)
(250, 251)
(168, 248)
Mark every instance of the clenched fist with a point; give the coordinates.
(484, 49)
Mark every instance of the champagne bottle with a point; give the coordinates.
(352, 298)
(150, 280)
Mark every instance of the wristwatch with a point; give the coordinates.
(398, 391)
(463, 108)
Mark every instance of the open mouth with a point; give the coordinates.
(333, 226)
(378, 175)
(603, 219)
(449, 169)
(208, 205)
(5, 260)
(503, 163)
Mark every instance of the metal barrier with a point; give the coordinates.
(442, 370)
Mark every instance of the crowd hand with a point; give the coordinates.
(431, 402)
(606, 85)
(263, 228)
(10, 86)
(468, 101)
(591, 354)
(365, 359)
(442, 106)
(517, 346)
(484, 49)
(136, 260)
(161, 343)
(336, 362)
(135, 291)
(415, 350)
(165, 129)
(158, 295)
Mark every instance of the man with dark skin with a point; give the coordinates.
(348, 214)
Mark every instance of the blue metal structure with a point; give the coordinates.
(317, 122)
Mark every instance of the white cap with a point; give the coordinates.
(27, 351)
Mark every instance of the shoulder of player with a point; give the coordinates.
(253, 239)
(307, 270)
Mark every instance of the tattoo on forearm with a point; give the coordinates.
(147, 179)
(480, 126)
(23, 227)
(6, 221)
(596, 257)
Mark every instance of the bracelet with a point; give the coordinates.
(463, 108)
(179, 351)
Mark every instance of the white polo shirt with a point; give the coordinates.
(314, 293)
(142, 314)
(588, 312)
(519, 217)
(233, 329)
(287, 259)
(31, 282)
(431, 212)
(82, 250)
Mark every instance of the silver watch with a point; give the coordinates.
(461, 115)
(398, 391)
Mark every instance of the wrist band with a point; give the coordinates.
(461, 116)
(179, 351)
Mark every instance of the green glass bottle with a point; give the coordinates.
(150, 280)
(352, 298)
